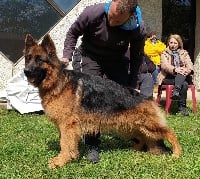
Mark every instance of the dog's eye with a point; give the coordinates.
(38, 59)
(28, 57)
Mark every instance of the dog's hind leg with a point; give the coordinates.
(151, 122)
(156, 146)
(139, 142)
(70, 135)
(157, 133)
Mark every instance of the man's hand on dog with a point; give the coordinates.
(65, 60)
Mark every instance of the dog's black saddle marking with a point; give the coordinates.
(104, 95)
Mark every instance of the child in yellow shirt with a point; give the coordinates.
(153, 49)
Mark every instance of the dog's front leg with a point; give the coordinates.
(70, 135)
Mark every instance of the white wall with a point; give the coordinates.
(5, 70)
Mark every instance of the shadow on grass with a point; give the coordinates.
(53, 145)
(173, 107)
(109, 142)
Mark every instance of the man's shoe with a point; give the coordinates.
(175, 94)
(183, 110)
(93, 154)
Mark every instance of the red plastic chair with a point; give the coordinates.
(169, 89)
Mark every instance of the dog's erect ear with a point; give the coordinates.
(29, 41)
(48, 44)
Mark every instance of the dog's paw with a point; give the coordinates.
(56, 162)
(176, 155)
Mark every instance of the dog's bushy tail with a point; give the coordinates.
(171, 137)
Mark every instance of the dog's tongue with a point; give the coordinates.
(31, 80)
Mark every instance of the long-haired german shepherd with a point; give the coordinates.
(81, 104)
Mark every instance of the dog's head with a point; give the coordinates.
(39, 58)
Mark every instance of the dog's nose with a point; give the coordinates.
(27, 71)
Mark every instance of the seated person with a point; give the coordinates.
(176, 67)
(145, 80)
(153, 48)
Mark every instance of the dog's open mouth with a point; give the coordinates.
(31, 80)
(35, 77)
(30, 77)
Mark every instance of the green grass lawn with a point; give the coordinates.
(28, 141)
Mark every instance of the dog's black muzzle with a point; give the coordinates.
(35, 75)
(28, 72)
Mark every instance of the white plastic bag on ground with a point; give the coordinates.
(22, 96)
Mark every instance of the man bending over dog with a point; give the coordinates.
(107, 29)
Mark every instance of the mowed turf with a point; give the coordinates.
(28, 141)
